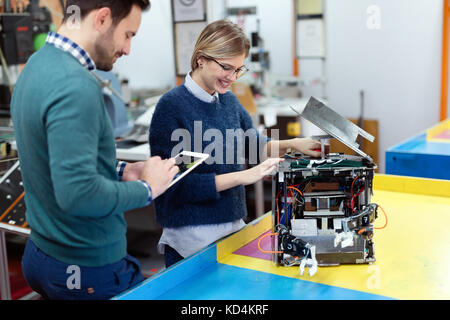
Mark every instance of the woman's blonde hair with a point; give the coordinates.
(220, 39)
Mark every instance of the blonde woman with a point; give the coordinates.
(209, 203)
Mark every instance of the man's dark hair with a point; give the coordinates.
(119, 8)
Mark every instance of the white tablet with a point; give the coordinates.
(186, 162)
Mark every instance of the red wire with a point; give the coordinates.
(278, 210)
(353, 199)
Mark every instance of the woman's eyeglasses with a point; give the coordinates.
(230, 69)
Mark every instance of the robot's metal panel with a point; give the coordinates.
(335, 125)
(327, 254)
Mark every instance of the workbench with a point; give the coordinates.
(412, 258)
(425, 155)
(12, 220)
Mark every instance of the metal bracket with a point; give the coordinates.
(335, 125)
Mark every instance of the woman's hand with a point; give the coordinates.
(254, 174)
(230, 180)
(249, 176)
(307, 146)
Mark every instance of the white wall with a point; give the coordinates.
(151, 63)
(398, 66)
(276, 30)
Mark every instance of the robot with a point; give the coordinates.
(322, 213)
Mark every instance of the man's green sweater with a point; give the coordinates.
(75, 201)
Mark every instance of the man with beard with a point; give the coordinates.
(75, 190)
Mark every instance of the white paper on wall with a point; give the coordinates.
(310, 38)
(188, 10)
(186, 37)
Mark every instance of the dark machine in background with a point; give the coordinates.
(19, 34)
(42, 18)
(16, 37)
(322, 210)
(16, 44)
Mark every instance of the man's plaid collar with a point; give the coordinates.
(71, 47)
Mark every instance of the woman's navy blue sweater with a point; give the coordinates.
(222, 129)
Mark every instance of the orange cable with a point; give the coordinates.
(361, 231)
(265, 236)
(294, 188)
(385, 225)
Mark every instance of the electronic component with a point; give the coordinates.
(321, 208)
(16, 37)
(20, 35)
(16, 44)
(42, 18)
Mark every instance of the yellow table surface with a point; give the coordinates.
(412, 253)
